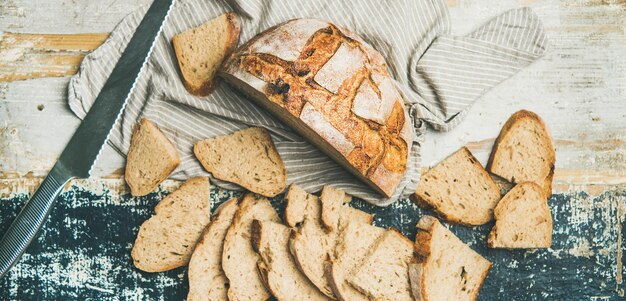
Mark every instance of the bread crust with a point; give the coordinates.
(376, 153)
(510, 123)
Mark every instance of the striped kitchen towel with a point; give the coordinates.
(441, 77)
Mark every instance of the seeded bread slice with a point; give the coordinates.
(459, 190)
(206, 277)
(524, 151)
(449, 270)
(522, 219)
(311, 243)
(354, 242)
(151, 158)
(166, 240)
(384, 273)
(277, 267)
(247, 158)
(201, 50)
(239, 260)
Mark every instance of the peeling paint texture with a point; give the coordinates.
(84, 250)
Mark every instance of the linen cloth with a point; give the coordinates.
(440, 75)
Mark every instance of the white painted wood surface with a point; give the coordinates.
(579, 87)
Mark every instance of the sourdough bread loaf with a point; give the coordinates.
(335, 90)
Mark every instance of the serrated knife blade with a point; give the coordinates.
(81, 152)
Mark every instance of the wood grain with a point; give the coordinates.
(27, 56)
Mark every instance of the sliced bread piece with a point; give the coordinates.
(151, 158)
(239, 260)
(277, 267)
(354, 241)
(459, 190)
(335, 207)
(247, 158)
(524, 151)
(206, 277)
(298, 203)
(522, 219)
(312, 243)
(384, 272)
(166, 240)
(449, 269)
(201, 50)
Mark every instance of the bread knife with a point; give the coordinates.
(78, 157)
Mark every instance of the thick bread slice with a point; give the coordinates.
(239, 260)
(166, 240)
(459, 189)
(247, 157)
(524, 151)
(277, 267)
(450, 270)
(201, 50)
(384, 273)
(354, 242)
(151, 158)
(206, 277)
(312, 243)
(522, 219)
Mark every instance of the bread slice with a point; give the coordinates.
(449, 270)
(313, 243)
(247, 157)
(206, 277)
(166, 240)
(459, 190)
(384, 273)
(524, 151)
(239, 260)
(201, 50)
(299, 202)
(354, 241)
(277, 267)
(522, 219)
(151, 158)
(335, 207)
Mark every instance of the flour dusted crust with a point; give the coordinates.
(335, 90)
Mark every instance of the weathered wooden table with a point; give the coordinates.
(579, 88)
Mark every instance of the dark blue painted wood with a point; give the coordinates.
(84, 250)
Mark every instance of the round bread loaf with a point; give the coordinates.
(335, 90)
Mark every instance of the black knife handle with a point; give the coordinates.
(30, 219)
